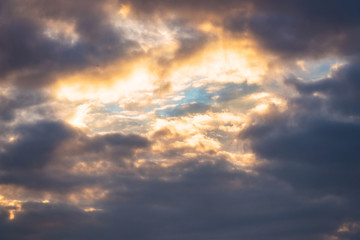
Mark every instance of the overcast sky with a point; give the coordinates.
(179, 120)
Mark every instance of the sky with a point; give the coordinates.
(179, 120)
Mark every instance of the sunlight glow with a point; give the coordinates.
(80, 114)
(13, 206)
(140, 81)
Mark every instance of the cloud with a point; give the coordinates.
(185, 130)
(342, 89)
(183, 8)
(313, 144)
(33, 42)
(206, 200)
(291, 29)
(35, 146)
(296, 29)
(14, 100)
(185, 109)
(42, 154)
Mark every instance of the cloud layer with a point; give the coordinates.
(179, 120)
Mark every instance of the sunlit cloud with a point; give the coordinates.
(203, 119)
(61, 31)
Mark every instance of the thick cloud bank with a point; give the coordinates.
(176, 120)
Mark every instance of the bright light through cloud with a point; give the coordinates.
(204, 119)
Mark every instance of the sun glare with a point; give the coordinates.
(139, 81)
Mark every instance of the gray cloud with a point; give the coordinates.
(207, 200)
(291, 29)
(342, 90)
(25, 162)
(31, 58)
(199, 198)
(299, 29)
(187, 109)
(307, 188)
(35, 146)
(313, 146)
(16, 100)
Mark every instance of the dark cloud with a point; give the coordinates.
(205, 200)
(29, 57)
(313, 146)
(303, 28)
(184, 8)
(210, 200)
(342, 89)
(190, 39)
(36, 145)
(46, 221)
(98, 143)
(16, 100)
(306, 189)
(114, 147)
(232, 91)
(291, 29)
(199, 198)
(186, 109)
(314, 154)
(25, 160)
